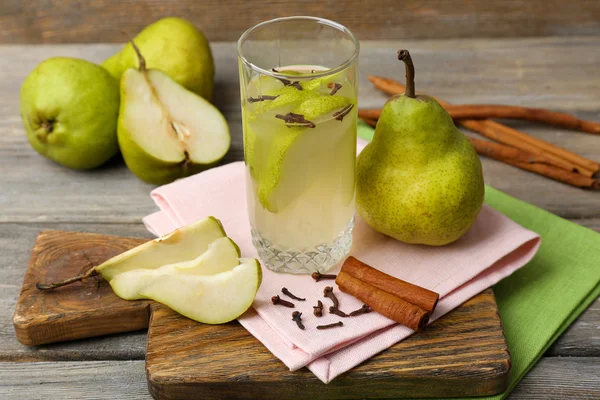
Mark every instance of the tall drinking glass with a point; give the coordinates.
(299, 112)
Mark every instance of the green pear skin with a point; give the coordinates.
(69, 108)
(174, 46)
(419, 180)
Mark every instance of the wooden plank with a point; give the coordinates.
(83, 309)
(462, 354)
(16, 241)
(551, 379)
(66, 21)
(530, 72)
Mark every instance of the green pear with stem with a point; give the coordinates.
(177, 48)
(69, 108)
(165, 131)
(419, 180)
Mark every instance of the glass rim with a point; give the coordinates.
(324, 21)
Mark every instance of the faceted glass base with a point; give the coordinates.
(306, 261)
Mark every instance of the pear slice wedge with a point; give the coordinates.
(181, 245)
(213, 299)
(222, 255)
(165, 131)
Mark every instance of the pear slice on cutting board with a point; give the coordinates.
(222, 255)
(165, 131)
(181, 245)
(213, 299)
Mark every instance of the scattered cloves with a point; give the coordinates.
(328, 292)
(290, 294)
(285, 303)
(339, 115)
(318, 309)
(297, 317)
(334, 325)
(363, 310)
(292, 118)
(261, 98)
(334, 87)
(317, 276)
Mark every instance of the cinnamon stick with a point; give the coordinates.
(507, 135)
(485, 111)
(528, 162)
(386, 304)
(417, 295)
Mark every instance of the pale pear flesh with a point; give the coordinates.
(179, 246)
(221, 255)
(213, 299)
(165, 131)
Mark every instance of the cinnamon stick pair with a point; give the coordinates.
(403, 302)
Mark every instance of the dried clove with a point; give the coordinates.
(334, 325)
(297, 317)
(285, 303)
(363, 310)
(292, 118)
(317, 276)
(261, 98)
(337, 311)
(318, 309)
(290, 294)
(328, 292)
(339, 115)
(334, 87)
(287, 82)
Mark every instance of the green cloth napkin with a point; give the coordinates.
(539, 301)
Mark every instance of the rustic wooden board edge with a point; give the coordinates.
(488, 377)
(33, 329)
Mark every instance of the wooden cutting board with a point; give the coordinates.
(463, 354)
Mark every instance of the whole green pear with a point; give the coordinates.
(69, 108)
(419, 180)
(174, 46)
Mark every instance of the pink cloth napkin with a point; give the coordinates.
(493, 248)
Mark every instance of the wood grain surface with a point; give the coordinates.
(114, 21)
(550, 379)
(35, 194)
(462, 354)
(80, 310)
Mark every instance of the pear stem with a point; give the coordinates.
(54, 285)
(141, 58)
(404, 55)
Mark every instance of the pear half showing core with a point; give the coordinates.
(182, 245)
(165, 131)
(222, 255)
(212, 299)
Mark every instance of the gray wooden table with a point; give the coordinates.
(35, 194)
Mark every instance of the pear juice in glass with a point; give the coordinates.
(299, 113)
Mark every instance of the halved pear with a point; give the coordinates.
(222, 255)
(213, 299)
(181, 245)
(165, 131)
